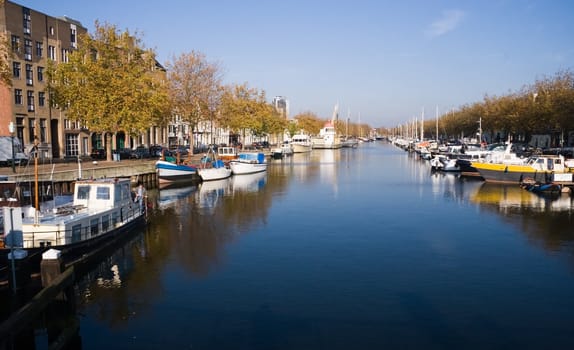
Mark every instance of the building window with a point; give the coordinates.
(52, 52)
(97, 142)
(16, 70)
(27, 20)
(18, 96)
(29, 75)
(65, 53)
(71, 145)
(31, 129)
(28, 49)
(40, 74)
(51, 30)
(73, 36)
(42, 130)
(20, 131)
(15, 43)
(30, 100)
(41, 98)
(39, 48)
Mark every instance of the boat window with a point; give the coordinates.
(115, 218)
(103, 193)
(83, 192)
(105, 222)
(126, 191)
(94, 225)
(76, 233)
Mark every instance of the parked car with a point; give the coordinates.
(98, 153)
(260, 145)
(141, 152)
(157, 151)
(183, 150)
(126, 153)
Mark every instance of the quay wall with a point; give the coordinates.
(63, 175)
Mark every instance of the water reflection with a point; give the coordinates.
(169, 196)
(512, 197)
(211, 192)
(249, 182)
(545, 220)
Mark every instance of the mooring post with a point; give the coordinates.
(51, 266)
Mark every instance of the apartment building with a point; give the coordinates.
(34, 39)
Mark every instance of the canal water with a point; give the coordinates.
(348, 249)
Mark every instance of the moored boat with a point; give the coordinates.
(212, 168)
(100, 211)
(248, 163)
(327, 138)
(301, 143)
(215, 170)
(283, 151)
(168, 172)
(542, 168)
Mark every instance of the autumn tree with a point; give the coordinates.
(110, 84)
(309, 122)
(244, 108)
(5, 52)
(195, 88)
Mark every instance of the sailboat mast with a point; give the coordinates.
(423, 125)
(437, 123)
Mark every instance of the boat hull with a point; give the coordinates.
(211, 174)
(502, 173)
(298, 148)
(241, 168)
(320, 144)
(170, 172)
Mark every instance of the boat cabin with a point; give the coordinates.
(547, 163)
(226, 153)
(99, 207)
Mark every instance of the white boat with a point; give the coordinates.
(168, 172)
(349, 142)
(212, 168)
(283, 151)
(100, 210)
(327, 138)
(248, 163)
(215, 170)
(444, 163)
(301, 143)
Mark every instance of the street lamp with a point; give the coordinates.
(11, 129)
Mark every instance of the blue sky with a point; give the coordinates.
(381, 61)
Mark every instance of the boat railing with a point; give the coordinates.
(42, 238)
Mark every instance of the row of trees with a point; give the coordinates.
(547, 106)
(111, 83)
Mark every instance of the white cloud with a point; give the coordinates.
(448, 22)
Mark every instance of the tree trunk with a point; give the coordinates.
(108, 146)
